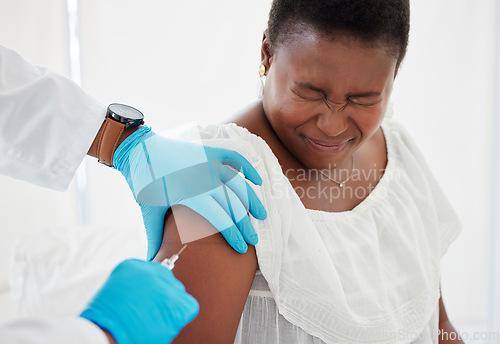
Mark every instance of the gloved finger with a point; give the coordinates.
(234, 238)
(244, 192)
(233, 206)
(230, 202)
(240, 163)
(213, 212)
(153, 218)
(247, 231)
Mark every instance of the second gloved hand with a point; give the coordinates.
(141, 302)
(163, 172)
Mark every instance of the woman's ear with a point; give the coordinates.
(266, 51)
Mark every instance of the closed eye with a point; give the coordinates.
(316, 96)
(364, 102)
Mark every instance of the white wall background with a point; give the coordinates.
(197, 60)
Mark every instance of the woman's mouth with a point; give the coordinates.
(324, 147)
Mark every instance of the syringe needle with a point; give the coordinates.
(182, 249)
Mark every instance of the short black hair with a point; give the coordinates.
(385, 22)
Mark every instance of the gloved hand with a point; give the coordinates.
(163, 172)
(141, 302)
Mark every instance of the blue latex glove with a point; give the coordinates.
(141, 302)
(163, 172)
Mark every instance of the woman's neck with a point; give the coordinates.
(371, 154)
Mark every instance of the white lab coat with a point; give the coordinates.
(47, 124)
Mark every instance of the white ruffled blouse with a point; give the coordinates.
(368, 275)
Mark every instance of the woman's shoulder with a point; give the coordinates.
(193, 131)
(223, 135)
(398, 135)
(415, 176)
(402, 148)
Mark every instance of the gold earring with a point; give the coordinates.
(262, 71)
(260, 84)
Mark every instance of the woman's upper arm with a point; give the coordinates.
(216, 275)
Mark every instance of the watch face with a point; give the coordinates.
(124, 113)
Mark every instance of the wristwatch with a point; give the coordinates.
(119, 119)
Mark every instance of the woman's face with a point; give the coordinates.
(325, 98)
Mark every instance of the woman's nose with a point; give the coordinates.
(333, 121)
